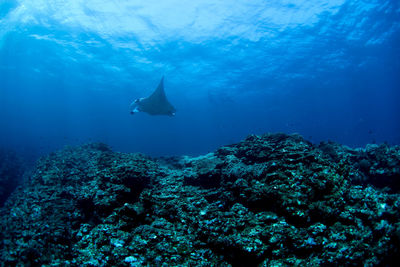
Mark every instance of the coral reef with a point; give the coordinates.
(269, 200)
(376, 164)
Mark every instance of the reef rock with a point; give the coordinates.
(269, 200)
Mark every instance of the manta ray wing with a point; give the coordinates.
(157, 103)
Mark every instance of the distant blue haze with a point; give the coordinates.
(328, 70)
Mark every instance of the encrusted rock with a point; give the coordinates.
(269, 200)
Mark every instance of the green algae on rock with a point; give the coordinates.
(269, 200)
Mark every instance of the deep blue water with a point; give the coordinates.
(328, 70)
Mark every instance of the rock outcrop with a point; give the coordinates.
(268, 200)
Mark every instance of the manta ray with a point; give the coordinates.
(156, 104)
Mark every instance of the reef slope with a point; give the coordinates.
(268, 200)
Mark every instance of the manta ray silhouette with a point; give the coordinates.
(156, 104)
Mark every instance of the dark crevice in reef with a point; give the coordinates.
(275, 199)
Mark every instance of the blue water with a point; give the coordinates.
(328, 70)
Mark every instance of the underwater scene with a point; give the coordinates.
(200, 133)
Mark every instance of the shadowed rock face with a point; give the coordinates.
(271, 199)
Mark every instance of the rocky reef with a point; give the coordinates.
(269, 200)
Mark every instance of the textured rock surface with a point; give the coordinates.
(269, 200)
(378, 165)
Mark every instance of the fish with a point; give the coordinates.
(156, 104)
